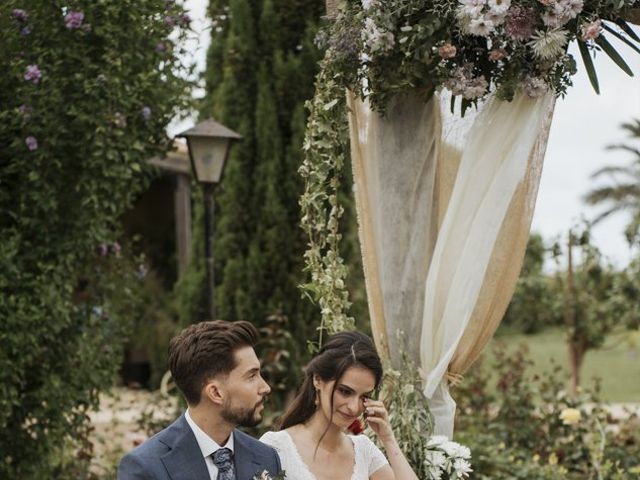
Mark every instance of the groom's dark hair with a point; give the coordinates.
(205, 350)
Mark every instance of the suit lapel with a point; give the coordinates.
(247, 466)
(184, 461)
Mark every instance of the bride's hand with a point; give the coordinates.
(378, 419)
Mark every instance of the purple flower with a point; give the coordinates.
(185, 19)
(116, 248)
(32, 74)
(19, 15)
(161, 47)
(103, 249)
(25, 110)
(73, 19)
(169, 21)
(31, 142)
(24, 31)
(146, 113)
(520, 23)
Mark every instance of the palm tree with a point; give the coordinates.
(622, 193)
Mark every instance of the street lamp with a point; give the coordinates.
(208, 143)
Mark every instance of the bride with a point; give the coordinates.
(313, 442)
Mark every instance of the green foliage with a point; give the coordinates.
(520, 425)
(621, 192)
(536, 302)
(80, 112)
(409, 413)
(260, 71)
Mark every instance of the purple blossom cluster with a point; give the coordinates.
(146, 113)
(74, 19)
(32, 74)
(19, 15)
(31, 142)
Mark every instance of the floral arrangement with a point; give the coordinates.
(445, 459)
(473, 47)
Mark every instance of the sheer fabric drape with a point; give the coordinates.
(444, 209)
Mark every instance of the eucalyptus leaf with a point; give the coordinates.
(613, 54)
(588, 63)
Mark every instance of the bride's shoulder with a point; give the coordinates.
(275, 439)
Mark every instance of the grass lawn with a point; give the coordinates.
(617, 363)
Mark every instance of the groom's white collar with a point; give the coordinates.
(207, 444)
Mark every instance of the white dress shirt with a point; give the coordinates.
(207, 445)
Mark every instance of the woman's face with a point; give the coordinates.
(351, 390)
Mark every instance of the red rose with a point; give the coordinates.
(356, 427)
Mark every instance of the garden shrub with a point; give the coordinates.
(520, 425)
(87, 90)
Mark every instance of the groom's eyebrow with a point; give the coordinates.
(252, 371)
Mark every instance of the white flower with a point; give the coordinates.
(535, 87)
(499, 7)
(548, 45)
(481, 27)
(462, 467)
(591, 30)
(574, 7)
(264, 475)
(435, 473)
(437, 440)
(375, 38)
(435, 458)
(369, 4)
(455, 450)
(552, 18)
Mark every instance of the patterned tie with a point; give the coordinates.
(223, 459)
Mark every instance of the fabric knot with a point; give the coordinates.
(223, 459)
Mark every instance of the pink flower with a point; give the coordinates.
(32, 74)
(447, 51)
(73, 19)
(116, 248)
(520, 23)
(592, 30)
(497, 54)
(31, 142)
(546, 3)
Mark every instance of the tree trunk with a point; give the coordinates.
(576, 351)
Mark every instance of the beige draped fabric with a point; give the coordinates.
(444, 207)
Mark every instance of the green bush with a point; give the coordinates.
(519, 425)
(86, 91)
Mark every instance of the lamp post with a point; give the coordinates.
(208, 143)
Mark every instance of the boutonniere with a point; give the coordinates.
(265, 475)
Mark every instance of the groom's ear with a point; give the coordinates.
(213, 392)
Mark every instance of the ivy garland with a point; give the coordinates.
(325, 149)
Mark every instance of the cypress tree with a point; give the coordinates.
(260, 70)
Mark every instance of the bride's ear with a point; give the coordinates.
(317, 382)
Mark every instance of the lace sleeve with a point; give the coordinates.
(374, 457)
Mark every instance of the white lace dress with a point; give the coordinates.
(369, 458)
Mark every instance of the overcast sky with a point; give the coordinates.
(584, 124)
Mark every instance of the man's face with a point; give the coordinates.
(244, 390)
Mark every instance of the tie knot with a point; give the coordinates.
(223, 459)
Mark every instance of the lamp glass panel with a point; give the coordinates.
(209, 155)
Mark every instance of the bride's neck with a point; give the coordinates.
(329, 438)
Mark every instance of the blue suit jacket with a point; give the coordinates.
(174, 454)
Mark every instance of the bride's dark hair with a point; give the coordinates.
(340, 352)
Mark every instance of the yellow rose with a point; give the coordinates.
(570, 416)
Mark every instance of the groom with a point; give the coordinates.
(216, 369)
